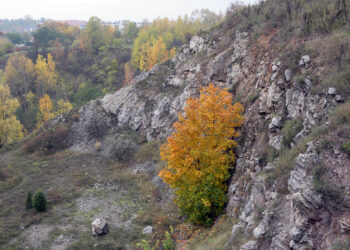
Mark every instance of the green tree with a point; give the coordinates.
(86, 92)
(15, 38)
(39, 201)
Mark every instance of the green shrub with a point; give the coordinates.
(251, 99)
(144, 245)
(39, 201)
(341, 245)
(341, 114)
(331, 193)
(86, 93)
(290, 129)
(346, 147)
(148, 152)
(168, 242)
(29, 200)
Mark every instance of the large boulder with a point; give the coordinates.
(99, 227)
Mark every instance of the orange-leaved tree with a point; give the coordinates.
(200, 152)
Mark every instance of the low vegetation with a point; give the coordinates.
(148, 152)
(290, 129)
(331, 193)
(216, 237)
(49, 140)
(29, 200)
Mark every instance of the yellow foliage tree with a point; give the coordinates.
(10, 127)
(154, 52)
(46, 78)
(45, 110)
(200, 153)
(19, 75)
(63, 107)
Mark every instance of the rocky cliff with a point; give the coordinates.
(290, 189)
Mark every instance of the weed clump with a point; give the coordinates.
(290, 129)
(148, 152)
(330, 192)
(346, 147)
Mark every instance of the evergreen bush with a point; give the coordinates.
(39, 201)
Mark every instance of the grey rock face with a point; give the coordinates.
(99, 227)
(197, 44)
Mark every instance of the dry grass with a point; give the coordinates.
(66, 177)
(213, 238)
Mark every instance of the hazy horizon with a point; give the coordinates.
(109, 10)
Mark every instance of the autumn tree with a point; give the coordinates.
(200, 153)
(154, 52)
(19, 75)
(46, 77)
(10, 127)
(45, 110)
(63, 107)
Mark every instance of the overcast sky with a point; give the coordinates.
(108, 10)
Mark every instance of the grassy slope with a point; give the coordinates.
(79, 188)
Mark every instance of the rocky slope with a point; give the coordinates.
(276, 208)
(293, 214)
(290, 189)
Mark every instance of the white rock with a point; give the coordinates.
(339, 98)
(288, 75)
(250, 245)
(274, 68)
(306, 59)
(197, 44)
(274, 76)
(259, 231)
(237, 227)
(308, 83)
(332, 91)
(147, 230)
(276, 122)
(99, 227)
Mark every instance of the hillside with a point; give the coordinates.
(287, 63)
